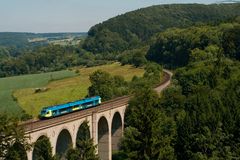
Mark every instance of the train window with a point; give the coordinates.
(88, 103)
(43, 112)
(63, 110)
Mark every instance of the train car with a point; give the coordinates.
(53, 111)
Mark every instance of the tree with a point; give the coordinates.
(42, 149)
(153, 71)
(149, 133)
(85, 149)
(207, 128)
(172, 100)
(138, 59)
(16, 152)
(133, 29)
(12, 137)
(231, 42)
(102, 84)
(107, 86)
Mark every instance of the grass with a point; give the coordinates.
(65, 42)
(69, 89)
(10, 84)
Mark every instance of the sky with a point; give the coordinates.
(40, 16)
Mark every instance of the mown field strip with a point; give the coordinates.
(10, 84)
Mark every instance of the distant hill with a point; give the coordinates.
(133, 28)
(228, 1)
(23, 40)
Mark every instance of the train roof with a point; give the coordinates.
(74, 103)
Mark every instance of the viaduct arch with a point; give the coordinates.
(64, 141)
(83, 132)
(103, 138)
(117, 131)
(37, 148)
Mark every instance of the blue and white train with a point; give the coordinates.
(53, 111)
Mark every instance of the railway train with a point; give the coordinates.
(57, 110)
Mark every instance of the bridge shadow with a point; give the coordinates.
(116, 131)
(103, 139)
(42, 148)
(64, 141)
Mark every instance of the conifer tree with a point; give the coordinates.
(85, 149)
(149, 133)
(42, 149)
(13, 140)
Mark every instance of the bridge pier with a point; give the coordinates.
(30, 154)
(94, 128)
(104, 137)
(53, 143)
(110, 144)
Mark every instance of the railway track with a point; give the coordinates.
(35, 125)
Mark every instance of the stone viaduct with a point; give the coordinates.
(106, 123)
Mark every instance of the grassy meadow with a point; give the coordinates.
(10, 84)
(68, 89)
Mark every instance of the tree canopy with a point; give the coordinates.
(149, 133)
(13, 140)
(85, 149)
(135, 28)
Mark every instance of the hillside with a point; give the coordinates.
(20, 40)
(178, 47)
(131, 29)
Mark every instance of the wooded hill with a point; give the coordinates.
(178, 47)
(25, 40)
(130, 30)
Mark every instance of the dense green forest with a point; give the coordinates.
(196, 118)
(25, 53)
(135, 28)
(46, 59)
(178, 47)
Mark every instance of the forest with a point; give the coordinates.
(46, 59)
(196, 118)
(136, 28)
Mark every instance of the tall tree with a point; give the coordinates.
(152, 74)
(231, 42)
(12, 137)
(149, 133)
(85, 149)
(107, 86)
(42, 149)
(101, 85)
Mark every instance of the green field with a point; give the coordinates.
(69, 89)
(10, 84)
(66, 42)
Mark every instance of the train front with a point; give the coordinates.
(45, 113)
